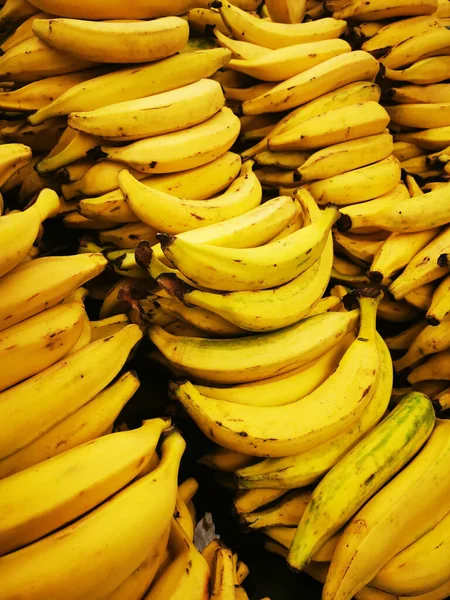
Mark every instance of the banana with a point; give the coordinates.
(283, 63)
(404, 505)
(440, 304)
(433, 42)
(442, 400)
(241, 50)
(74, 172)
(109, 326)
(114, 303)
(285, 535)
(171, 214)
(353, 93)
(420, 94)
(250, 500)
(203, 21)
(414, 188)
(80, 547)
(100, 179)
(162, 113)
(419, 166)
(404, 339)
(33, 345)
(345, 156)
(286, 388)
(114, 42)
(423, 268)
(405, 150)
(223, 575)
(135, 82)
(69, 373)
(19, 230)
(268, 34)
(13, 157)
(275, 431)
(285, 512)
(437, 138)
(379, 456)
(42, 283)
(181, 150)
(423, 72)
(77, 221)
(16, 10)
(325, 77)
(308, 466)
(286, 11)
(334, 127)
(23, 31)
(221, 459)
(271, 177)
(128, 236)
(187, 575)
(77, 147)
(260, 268)
(421, 116)
(65, 478)
(407, 215)
(32, 60)
(379, 9)
(435, 367)
(86, 424)
(255, 357)
(281, 160)
(421, 297)
(430, 340)
(359, 248)
(421, 567)
(358, 185)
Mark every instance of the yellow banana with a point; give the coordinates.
(13, 157)
(241, 50)
(405, 150)
(404, 505)
(380, 9)
(325, 77)
(285, 512)
(162, 113)
(440, 304)
(255, 357)
(223, 575)
(100, 179)
(359, 248)
(128, 236)
(286, 11)
(423, 72)
(74, 172)
(437, 138)
(181, 150)
(23, 31)
(109, 326)
(16, 10)
(86, 424)
(429, 341)
(77, 147)
(81, 547)
(435, 367)
(272, 177)
(404, 339)
(420, 94)
(276, 431)
(205, 20)
(228, 461)
(61, 481)
(171, 214)
(114, 42)
(285, 535)
(421, 116)
(248, 501)
(429, 43)
(308, 466)
(281, 160)
(249, 28)
(414, 188)
(442, 400)
(283, 63)
(135, 82)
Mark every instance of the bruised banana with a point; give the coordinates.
(276, 431)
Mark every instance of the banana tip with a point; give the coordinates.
(344, 223)
(165, 239)
(143, 254)
(174, 285)
(443, 261)
(375, 276)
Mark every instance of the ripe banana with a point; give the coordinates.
(434, 42)
(423, 72)
(128, 236)
(16, 10)
(135, 82)
(33, 345)
(286, 11)
(435, 367)
(420, 94)
(430, 340)
(181, 150)
(241, 50)
(333, 127)
(284, 431)
(405, 150)
(440, 304)
(86, 424)
(80, 547)
(407, 215)
(359, 248)
(77, 147)
(162, 113)
(100, 179)
(171, 214)
(378, 10)
(223, 575)
(421, 116)
(250, 500)
(345, 156)
(325, 77)
(248, 359)
(410, 505)
(308, 466)
(285, 512)
(260, 268)
(32, 60)
(281, 160)
(12, 158)
(23, 31)
(358, 185)
(113, 42)
(379, 456)
(221, 459)
(404, 339)
(39, 284)
(283, 63)
(61, 481)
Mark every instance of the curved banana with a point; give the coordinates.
(135, 82)
(77, 147)
(16, 10)
(406, 215)
(241, 50)
(181, 150)
(18, 231)
(333, 127)
(423, 72)
(255, 357)
(440, 304)
(283, 63)
(80, 547)
(100, 179)
(250, 500)
(32, 60)
(420, 94)
(405, 338)
(358, 185)
(40, 284)
(260, 268)
(171, 214)
(359, 248)
(405, 505)
(162, 113)
(325, 77)
(436, 139)
(85, 471)
(12, 158)
(23, 31)
(421, 116)
(379, 456)
(203, 20)
(284, 431)
(430, 340)
(285, 512)
(345, 156)
(249, 28)
(308, 466)
(380, 9)
(86, 424)
(128, 236)
(435, 367)
(429, 43)
(405, 150)
(223, 575)
(281, 160)
(221, 459)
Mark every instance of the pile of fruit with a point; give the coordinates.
(256, 197)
